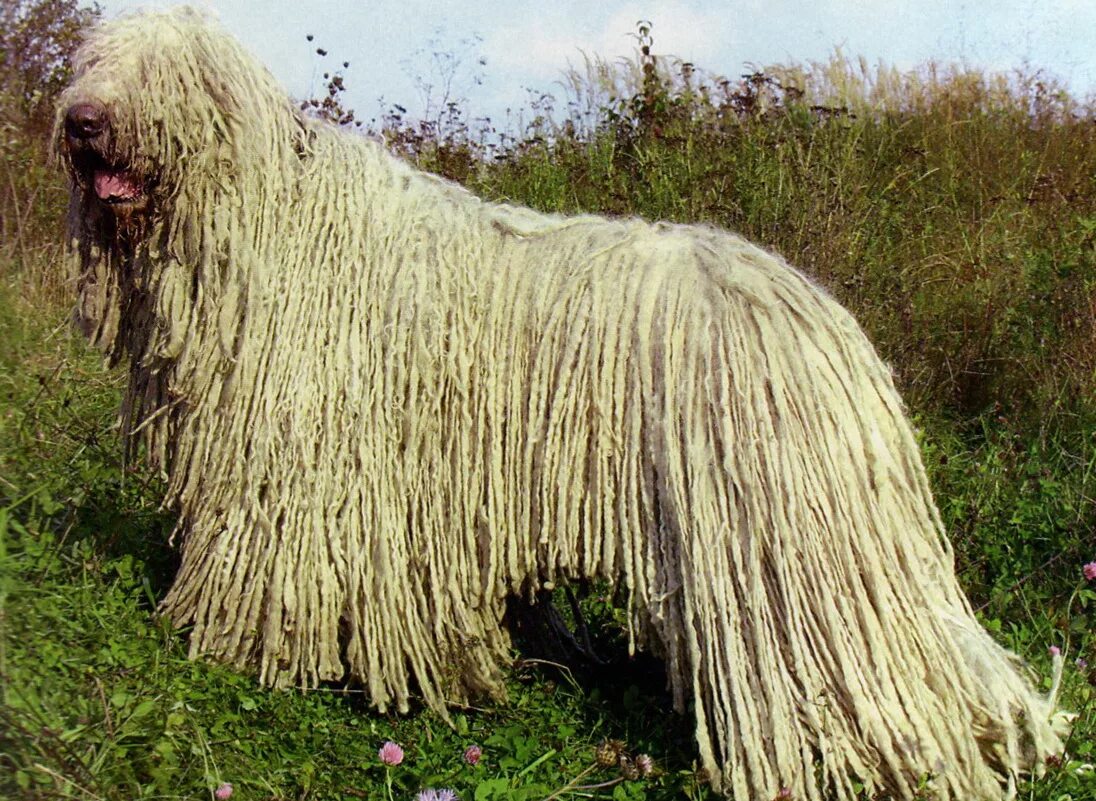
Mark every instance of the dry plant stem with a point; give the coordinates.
(85, 792)
(566, 671)
(17, 244)
(106, 708)
(382, 406)
(574, 784)
(599, 785)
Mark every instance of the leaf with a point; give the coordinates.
(493, 790)
(629, 791)
(69, 735)
(142, 709)
(119, 698)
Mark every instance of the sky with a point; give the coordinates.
(526, 45)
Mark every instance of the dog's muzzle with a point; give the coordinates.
(88, 140)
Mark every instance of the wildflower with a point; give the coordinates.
(1090, 571)
(223, 792)
(785, 794)
(608, 752)
(645, 764)
(472, 754)
(436, 795)
(1081, 663)
(628, 768)
(1054, 651)
(390, 754)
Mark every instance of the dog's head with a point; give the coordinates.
(162, 99)
(173, 137)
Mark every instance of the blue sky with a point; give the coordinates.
(527, 44)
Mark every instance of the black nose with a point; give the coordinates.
(85, 120)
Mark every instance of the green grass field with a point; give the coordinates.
(954, 214)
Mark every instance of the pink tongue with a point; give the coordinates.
(115, 184)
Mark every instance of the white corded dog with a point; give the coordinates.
(382, 406)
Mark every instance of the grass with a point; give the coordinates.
(953, 213)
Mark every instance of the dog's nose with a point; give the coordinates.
(85, 120)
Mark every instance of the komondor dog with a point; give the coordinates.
(382, 406)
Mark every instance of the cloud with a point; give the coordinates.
(541, 44)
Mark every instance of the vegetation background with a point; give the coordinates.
(954, 212)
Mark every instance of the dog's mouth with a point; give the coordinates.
(116, 185)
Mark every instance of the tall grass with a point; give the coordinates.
(953, 212)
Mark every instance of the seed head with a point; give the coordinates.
(628, 768)
(608, 752)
